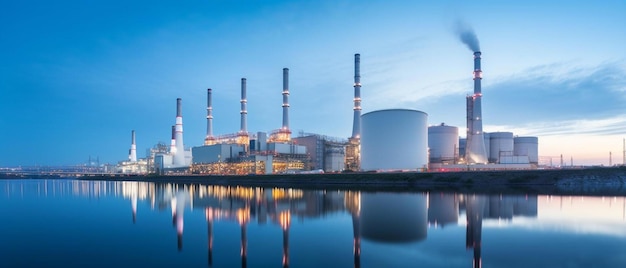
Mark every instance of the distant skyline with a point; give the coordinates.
(77, 77)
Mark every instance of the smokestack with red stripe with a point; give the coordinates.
(133, 149)
(476, 152)
(179, 156)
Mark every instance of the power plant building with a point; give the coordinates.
(383, 140)
(242, 153)
(132, 165)
(326, 153)
(394, 139)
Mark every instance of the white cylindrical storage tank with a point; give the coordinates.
(527, 146)
(395, 139)
(487, 139)
(443, 143)
(393, 217)
(501, 144)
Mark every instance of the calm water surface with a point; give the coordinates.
(71, 223)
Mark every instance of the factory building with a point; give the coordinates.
(242, 153)
(394, 140)
(326, 153)
(505, 151)
(178, 158)
(132, 165)
(383, 140)
(479, 150)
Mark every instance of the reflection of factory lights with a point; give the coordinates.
(284, 219)
(243, 216)
(209, 213)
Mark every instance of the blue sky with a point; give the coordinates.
(77, 76)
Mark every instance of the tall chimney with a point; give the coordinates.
(209, 119)
(173, 143)
(285, 99)
(244, 112)
(133, 149)
(179, 156)
(477, 153)
(356, 126)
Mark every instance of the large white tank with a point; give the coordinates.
(393, 217)
(527, 146)
(443, 143)
(500, 144)
(395, 139)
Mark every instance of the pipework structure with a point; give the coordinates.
(353, 147)
(475, 152)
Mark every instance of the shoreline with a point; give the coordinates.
(586, 181)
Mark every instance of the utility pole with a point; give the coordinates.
(610, 158)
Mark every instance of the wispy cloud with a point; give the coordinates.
(558, 92)
(604, 126)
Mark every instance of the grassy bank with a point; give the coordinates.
(590, 181)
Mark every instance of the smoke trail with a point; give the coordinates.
(467, 35)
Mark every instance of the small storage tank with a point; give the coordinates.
(443, 143)
(527, 146)
(500, 143)
(395, 139)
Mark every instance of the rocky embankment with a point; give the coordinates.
(588, 181)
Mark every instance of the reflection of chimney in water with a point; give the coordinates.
(243, 216)
(209, 219)
(475, 206)
(244, 246)
(356, 229)
(133, 203)
(179, 229)
(285, 222)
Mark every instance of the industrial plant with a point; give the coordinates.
(388, 140)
